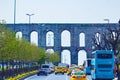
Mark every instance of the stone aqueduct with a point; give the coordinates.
(77, 39)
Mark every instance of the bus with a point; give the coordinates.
(102, 65)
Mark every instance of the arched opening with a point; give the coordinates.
(34, 38)
(19, 35)
(50, 38)
(65, 39)
(114, 35)
(50, 51)
(82, 56)
(82, 40)
(66, 57)
(97, 37)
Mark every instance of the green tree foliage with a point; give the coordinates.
(52, 57)
(42, 58)
(15, 49)
(12, 48)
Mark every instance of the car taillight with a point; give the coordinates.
(84, 76)
(73, 76)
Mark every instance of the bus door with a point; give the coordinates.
(93, 68)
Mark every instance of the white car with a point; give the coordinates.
(46, 67)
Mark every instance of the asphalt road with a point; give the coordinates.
(53, 77)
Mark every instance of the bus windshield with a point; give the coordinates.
(104, 56)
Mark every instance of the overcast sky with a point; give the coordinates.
(61, 11)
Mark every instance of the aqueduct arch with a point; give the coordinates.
(75, 31)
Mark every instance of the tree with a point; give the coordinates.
(6, 39)
(14, 49)
(110, 40)
(42, 55)
(52, 57)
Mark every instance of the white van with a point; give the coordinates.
(46, 67)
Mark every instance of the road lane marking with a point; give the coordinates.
(49, 77)
(66, 77)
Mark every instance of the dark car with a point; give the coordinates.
(42, 72)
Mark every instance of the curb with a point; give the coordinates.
(27, 76)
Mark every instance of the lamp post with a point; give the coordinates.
(107, 21)
(14, 11)
(30, 17)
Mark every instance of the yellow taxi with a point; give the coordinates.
(65, 66)
(59, 69)
(81, 67)
(78, 75)
(70, 70)
(65, 69)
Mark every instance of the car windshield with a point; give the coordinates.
(42, 69)
(78, 72)
(71, 68)
(45, 66)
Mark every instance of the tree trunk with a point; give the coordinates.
(3, 71)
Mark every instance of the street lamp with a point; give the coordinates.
(30, 17)
(14, 11)
(107, 21)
